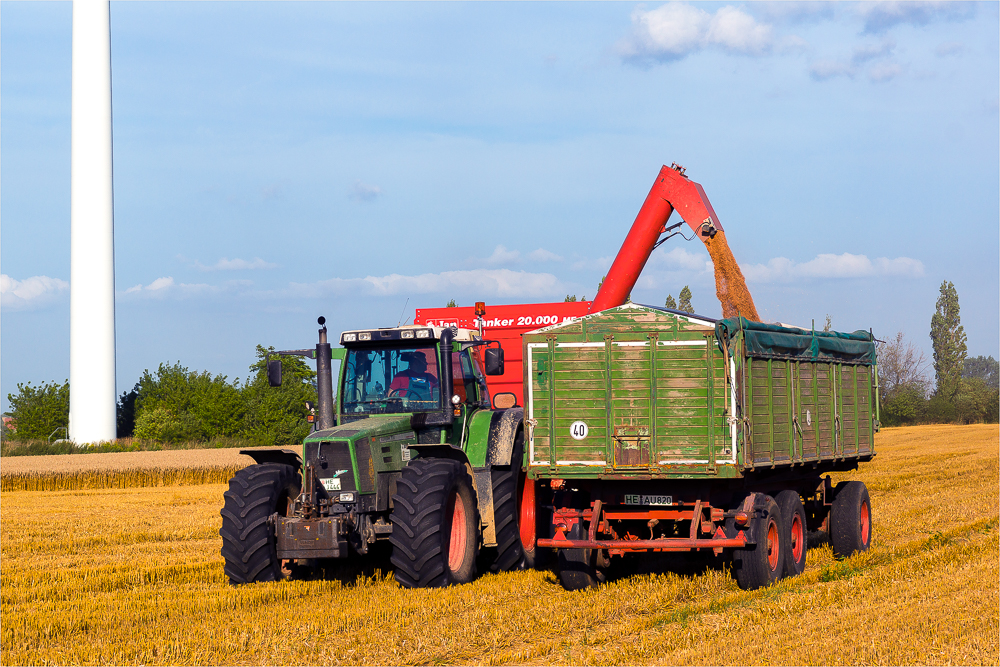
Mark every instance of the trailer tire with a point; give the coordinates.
(435, 536)
(248, 540)
(850, 519)
(793, 531)
(761, 565)
(578, 567)
(515, 513)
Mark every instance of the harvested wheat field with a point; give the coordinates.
(134, 576)
(65, 472)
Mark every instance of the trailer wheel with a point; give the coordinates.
(577, 567)
(435, 536)
(761, 564)
(515, 512)
(248, 541)
(850, 519)
(793, 531)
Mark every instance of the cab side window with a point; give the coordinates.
(463, 379)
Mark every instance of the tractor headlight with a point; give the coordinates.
(364, 336)
(423, 333)
(347, 497)
(350, 338)
(406, 334)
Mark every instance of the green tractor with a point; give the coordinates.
(410, 452)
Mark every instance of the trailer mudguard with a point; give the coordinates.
(286, 456)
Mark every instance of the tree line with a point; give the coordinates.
(964, 389)
(174, 405)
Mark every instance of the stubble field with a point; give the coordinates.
(133, 576)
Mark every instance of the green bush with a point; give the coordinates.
(39, 411)
(276, 416)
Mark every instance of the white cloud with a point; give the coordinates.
(821, 70)
(949, 49)
(502, 256)
(884, 72)
(738, 32)
(364, 192)
(487, 283)
(166, 287)
(226, 264)
(680, 259)
(30, 292)
(881, 16)
(675, 30)
(867, 52)
(543, 255)
(830, 266)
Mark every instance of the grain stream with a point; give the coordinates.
(730, 286)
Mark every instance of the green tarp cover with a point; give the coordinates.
(777, 342)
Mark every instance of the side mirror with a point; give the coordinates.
(494, 360)
(274, 372)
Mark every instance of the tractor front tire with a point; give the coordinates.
(435, 518)
(248, 542)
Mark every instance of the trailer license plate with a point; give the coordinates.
(637, 499)
(331, 484)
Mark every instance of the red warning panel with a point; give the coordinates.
(505, 324)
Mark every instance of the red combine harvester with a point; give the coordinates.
(506, 323)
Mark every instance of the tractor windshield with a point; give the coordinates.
(386, 380)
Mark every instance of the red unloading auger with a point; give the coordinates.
(671, 191)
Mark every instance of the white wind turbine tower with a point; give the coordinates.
(92, 408)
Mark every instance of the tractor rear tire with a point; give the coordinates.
(578, 567)
(435, 536)
(516, 514)
(761, 564)
(248, 541)
(850, 519)
(793, 531)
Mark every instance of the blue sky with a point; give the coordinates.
(278, 161)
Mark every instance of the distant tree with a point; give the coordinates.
(828, 327)
(986, 369)
(202, 406)
(907, 404)
(901, 364)
(276, 416)
(570, 299)
(451, 304)
(975, 402)
(39, 411)
(126, 413)
(685, 300)
(948, 338)
(670, 303)
(902, 380)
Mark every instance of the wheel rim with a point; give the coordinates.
(526, 515)
(459, 534)
(866, 523)
(772, 545)
(798, 538)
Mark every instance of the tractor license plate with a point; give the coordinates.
(331, 484)
(638, 499)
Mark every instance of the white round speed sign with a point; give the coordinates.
(578, 430)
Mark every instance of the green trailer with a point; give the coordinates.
(655, 430)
